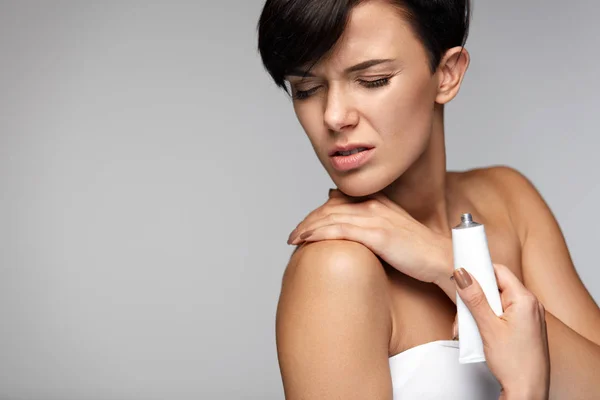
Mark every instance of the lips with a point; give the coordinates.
(351, 159)
(349, 150)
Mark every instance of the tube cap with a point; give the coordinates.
(466, 221)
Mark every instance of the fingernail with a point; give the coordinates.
(291, 236)
(462, 278)
(306, 234)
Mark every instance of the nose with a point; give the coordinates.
(339, 114)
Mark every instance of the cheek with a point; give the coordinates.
(405, 111)
(310, 117)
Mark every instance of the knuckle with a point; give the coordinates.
(372, 205)
(477, 299)
(320, 213)
(342, 229)
(532, 300)
(529, 302)
(333, 218)
(323, 211)
(383, 222)
(379, 236)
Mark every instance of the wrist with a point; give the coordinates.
(443, 260)
(444, 264)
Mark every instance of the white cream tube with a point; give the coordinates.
(471, 252)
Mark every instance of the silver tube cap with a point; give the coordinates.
(466, 221)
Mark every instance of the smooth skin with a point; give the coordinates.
(372, 278)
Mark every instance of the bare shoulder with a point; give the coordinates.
(502, 187)
(336, 261)
(500, 178)
(333, 268)
(333, 323)
(507, 179)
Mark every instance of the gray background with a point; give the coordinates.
(150, 174)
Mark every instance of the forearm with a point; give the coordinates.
(574, 361)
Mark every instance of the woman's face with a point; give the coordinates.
(374, 94)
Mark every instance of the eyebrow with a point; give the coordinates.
(355, 68)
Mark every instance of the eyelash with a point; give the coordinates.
(377, 83)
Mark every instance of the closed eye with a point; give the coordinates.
(369, 84)
(303, 94)
(375, 83)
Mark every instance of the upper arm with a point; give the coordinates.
(333, 324)
(548, 270)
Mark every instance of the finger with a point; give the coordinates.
(386, 201)
(328, 209)
(319, 212)
(508, 283)
(336, 200)
(373, 238)
(336, 193)
(335, 196)
(337, 218)
(474, 298)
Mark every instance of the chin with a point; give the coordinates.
(360, 185)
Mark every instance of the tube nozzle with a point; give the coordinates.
(466, 221)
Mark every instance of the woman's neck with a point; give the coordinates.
(421, 190)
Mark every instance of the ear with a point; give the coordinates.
(451, 70)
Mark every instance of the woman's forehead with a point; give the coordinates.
(375, 30)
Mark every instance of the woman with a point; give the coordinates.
(370, 277)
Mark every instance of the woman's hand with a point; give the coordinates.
(516, 343)
(385, 228)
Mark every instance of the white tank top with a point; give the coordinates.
(432, 371)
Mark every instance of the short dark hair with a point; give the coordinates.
(293, 33)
